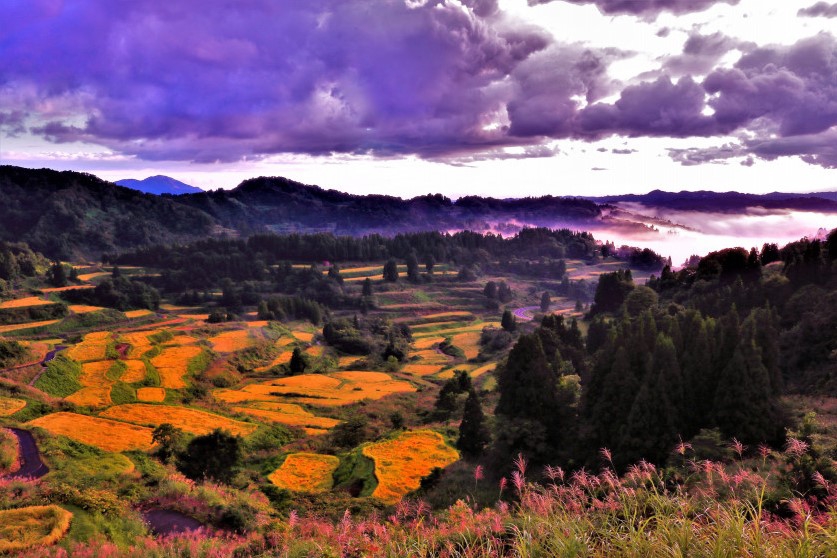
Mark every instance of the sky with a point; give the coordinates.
(503, 98)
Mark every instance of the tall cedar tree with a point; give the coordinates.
(527, 384)
(651, 430)
(473, 434)
(609, 412)
(391, 270)
(546, 301)
(297, 364)
(413, 268)
(367, 287)
(508, 322)
(744, 405)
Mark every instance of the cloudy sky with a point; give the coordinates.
(490, 97)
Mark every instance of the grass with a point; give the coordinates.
(108, 435)
(10, 405)
(24, 528)
(9, 448)
(306, 472)
(61, 377)
(189, 420)
(401, 463)
(121, 394)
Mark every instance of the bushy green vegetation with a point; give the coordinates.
(61, 377)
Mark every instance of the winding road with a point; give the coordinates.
(526, 313)
(31, 466)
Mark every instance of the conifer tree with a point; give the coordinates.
(611, 408)
(744, 406)
(391, 270)
(546, 301)
(527, 384)
(367, 287)
(665, 366)
(650, 432)
(297, 364)
(413, 268)
(473, 435)
(508, 321)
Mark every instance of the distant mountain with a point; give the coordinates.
(68, 215)
(159, 185)
(727, 202)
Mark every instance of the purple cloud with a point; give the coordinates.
(648, 9)
(820, 9)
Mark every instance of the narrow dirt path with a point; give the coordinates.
(31, 466)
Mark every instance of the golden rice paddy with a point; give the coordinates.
(137, 313)
(422, 369)
(24, 528)
(464, 329)
(151, 394)
(304, 336)
(83, 308)
(306, 472)
(68, 288)
(93, 347)
(345, 361)
(189, 420)
(25, 302)
(108, 435)
(138, 340)
(231, 341)
(427, 342)
(10, 405)
(258, 323)
(402, 462)
(89, 276)
(135, 371)
(91, 397)
(172, 364)
(30, 325)
(284, 341)
(340, 388)
(469, 342)
(448, 315)
(315, 350)
(290, 415)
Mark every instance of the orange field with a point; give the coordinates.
(137, 313)
(422, 369)
(135, 371)
(94, 347)
(345, 361)
(304, 336)
(473, 370)
(10, 405)
(284, 341)
(180, 339)
(315, 350)
(189, 420)
(30, 325)
(108, 435)
(258, 323)
(25, 302)
(151, 394)
(401, 463)
(24, 528)
(231, 341)
(306, 472)
(138, 340)
(339, 388)
(89, 276)
(283, 358)
(91, 397)
(427, 342)
(69, 288)
(291, 415)
(171, 365)
(469, 342)
(83, 308)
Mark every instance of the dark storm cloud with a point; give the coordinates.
(820, 9)
(648, 9)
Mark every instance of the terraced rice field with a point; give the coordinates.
(97, 386)
(89, 276)
(10, 405)
(83, 308)
(284, 341)
(189, 420)
(231, 341)
(469, 342)
(306, 472)
(93, 347)
(345, 361)
(30, 325)
(137, 313)
(25, 302)
(422, 369)
(290, 415)
(427, 342)
(453, 331)
(337, 389)
(304, 336)
(138, 340)
(68, 288)
(151, 394)
(108, 435)
(315, 350)
(134, 372)
(24, 528)
(402, 462)
(172, 364)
